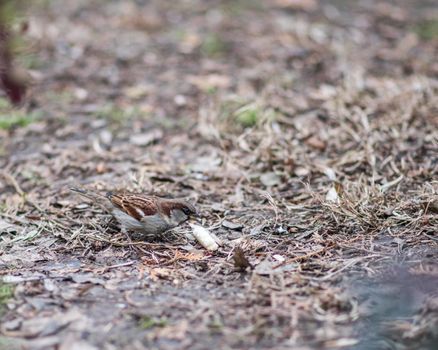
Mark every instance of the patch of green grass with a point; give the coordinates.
(60, 99)
(31, 61)
(8, 122)
(8, 11)
(216, 325)
(4, 103)
(11, 117)
(427, 30)
(212, 90)
(30, 175)
(147, 322)
(10, 344)
(6, 293)
(248, 116)
(116, 114)
(213, 45)
(178, 33)
(239, 7)
(237, 114)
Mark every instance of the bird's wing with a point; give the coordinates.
(135, 205)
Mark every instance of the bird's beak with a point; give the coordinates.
(194, 218)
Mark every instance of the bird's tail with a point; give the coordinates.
(93, 196)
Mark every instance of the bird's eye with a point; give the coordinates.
(186, 211)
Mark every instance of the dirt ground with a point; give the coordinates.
(304, 131)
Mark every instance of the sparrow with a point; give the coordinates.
(141, 213)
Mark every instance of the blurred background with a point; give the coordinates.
(128, 60)
(135, 70)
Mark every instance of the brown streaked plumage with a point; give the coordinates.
(135, 205)
(142, 213)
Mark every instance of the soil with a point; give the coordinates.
(304, 131)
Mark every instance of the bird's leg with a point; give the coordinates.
(125, 232)
(132, 247)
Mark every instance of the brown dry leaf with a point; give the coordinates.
(240, 260)
(190, 42)
(101, 168)
(207, 82)
(315, 142)
(137, 91)
(192, 256)
(160, 273)
(339, 188)
(147, 21)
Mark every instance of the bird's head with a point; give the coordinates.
(180, 211)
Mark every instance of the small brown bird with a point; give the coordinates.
(141, 213)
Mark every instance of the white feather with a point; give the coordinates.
(127, 221)
(152, 224)
(155, 224)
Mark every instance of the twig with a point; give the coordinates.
(347, 265)
(9, 178)
(118, 244)
(128, 263)
(304, 257)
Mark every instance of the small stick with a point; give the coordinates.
(106, 268)
(304, 257)
(8, 177)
